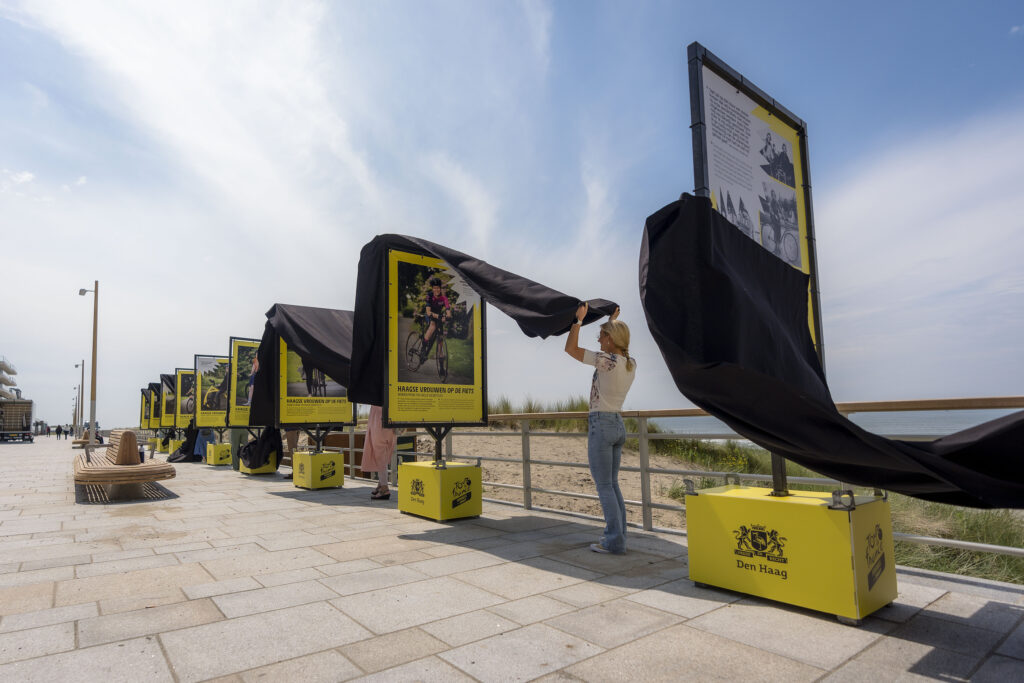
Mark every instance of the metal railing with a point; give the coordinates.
(644, 436)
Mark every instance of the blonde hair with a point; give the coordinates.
(618, 332)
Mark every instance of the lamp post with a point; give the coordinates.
(92, 387)
(81, 389)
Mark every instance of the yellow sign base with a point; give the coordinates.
(800, 549)
(154, 444)
(452, 491)
(269, 468)
(318, 470)
(174, 444)
(218, 454)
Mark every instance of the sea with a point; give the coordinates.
(929, 424)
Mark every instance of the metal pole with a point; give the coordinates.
(645, 475)
(92, 387)
(81, 402)
(527, 480)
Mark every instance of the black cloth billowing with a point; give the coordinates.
(731, 322)
(256, 453)
(185, 451)
(538, 310)
(321, 337)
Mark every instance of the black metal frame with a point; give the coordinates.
(177, 396)
(231, 382)
(303, 426)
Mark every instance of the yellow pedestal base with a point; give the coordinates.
(269, 468)
(174, 445)
(318, 470)
(218, 454)
(794, 549)
(160, 448)
(440, 494)
(154, 444)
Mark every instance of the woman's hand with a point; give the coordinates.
(581, 312)
(615, 314)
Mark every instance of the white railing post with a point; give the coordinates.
(448, 446)
(645, 475)
(352, 452)
(527, 484)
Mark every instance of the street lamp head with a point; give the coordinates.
(82, 292)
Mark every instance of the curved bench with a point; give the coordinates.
(119, 469)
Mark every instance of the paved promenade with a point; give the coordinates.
(240, 578)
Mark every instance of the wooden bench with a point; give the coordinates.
(118, 468)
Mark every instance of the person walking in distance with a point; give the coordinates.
(614, 371)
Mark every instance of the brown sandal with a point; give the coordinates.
(378, 494)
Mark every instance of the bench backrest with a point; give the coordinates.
(123, 448)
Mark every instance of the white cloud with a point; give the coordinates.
(539, 19)
(920, 264)
(1014, 30)
(469, 194)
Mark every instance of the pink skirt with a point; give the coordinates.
(378, 445)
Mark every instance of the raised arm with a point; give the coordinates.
(572, 340)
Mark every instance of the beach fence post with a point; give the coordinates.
(352, 452)
(645, 474)
(527, 482)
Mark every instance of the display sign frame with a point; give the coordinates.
(168, 400)
(288, 409)
(409, 403)
(238, 415)
(144, 409)
(154, 405)
(207, 417)
(726, 132)
(184, 409)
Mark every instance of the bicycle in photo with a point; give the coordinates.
(414, 345)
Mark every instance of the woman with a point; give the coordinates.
(378, 446)
(614, 371)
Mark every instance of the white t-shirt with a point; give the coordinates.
(611, 380)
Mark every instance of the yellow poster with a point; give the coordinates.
(186, 397)
(144, 410)
(307, 395)
(242, 371)
(154, 407)
(212, 390)
(168, 400)
(435, 344)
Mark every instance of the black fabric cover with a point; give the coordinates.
(731, 322)
(256, 453)
(185, 451)
(170, 383)
(322, 338)
(538, 310)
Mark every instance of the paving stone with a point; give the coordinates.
(520, 655)
(36, 576)
(682, 597)
(370, 547)
(647, 575)
(221, 551)
(997, 669)
(65, 561)
(611, 624)
(294, 539)
(396, 608)
(266, 599)
(392, 649)
(604, 564)
(265, 563)
(126, 662)
(532, 609)
(160, 580)
(451, 564)
(466, 628)
(122, 555)
(46, 617)
(360, 582)
(123, 566)
(323, 667)
(31, 598)
(816, 639)
(36, 642)
(292, 576)
(948, 635)
(975, 611)
(901, 656)
(111, 628)
(206, 590)
(514, 580)
(258, 640)
(145, 598)
(585, 594)
(339, 568)
(429, 670)
(681, 653)
(910, 600)
(1013, 646)
(181, 547)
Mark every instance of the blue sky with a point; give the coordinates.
(206, 160)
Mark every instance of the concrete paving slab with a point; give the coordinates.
(258, 640)
(206, 590)
(976, 611)
(373, 579)
(323, 667)
(809, 637)
(683, 598)
(611, 624)
(265, 563)
(898, 656)
(1013, 646)
(455, 563)
(36, 642)
(429, 670)
(532, 609)
(520, 655)
(393, 609)
(999, 670)
(46, 617)
(659, 657)
(36, 576)
(30, 598)
(126, 662)
(157, 581)
(585, 594)
(339, 568)
(947, 635)
(392, 649)
(469, 627)
(910, 600)
(267, 599)
(124, 566)
(646, 575)
(514, 580)
(127, 625)
(291, 576)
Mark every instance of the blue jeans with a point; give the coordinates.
(605, 437)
